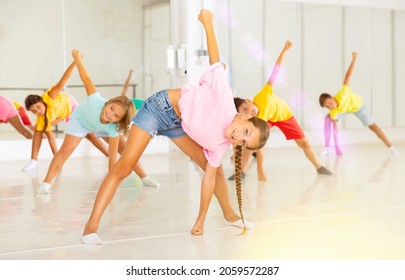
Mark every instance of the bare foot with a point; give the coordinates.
(261, 176)
(198, 228)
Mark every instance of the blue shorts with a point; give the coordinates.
(157, 117)
(76, 129)
(363, 114)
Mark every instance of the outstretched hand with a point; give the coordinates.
(354, 54)
(77, 54)
(288, 44)
(205, 17)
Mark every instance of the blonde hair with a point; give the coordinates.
(129, 108)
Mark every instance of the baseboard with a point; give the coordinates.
(21, 149)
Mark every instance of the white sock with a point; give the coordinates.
(44, 188)
(91, 239)
(239, 224)
(325, 152)
(149, 182)
(32, 165)
(394, 151)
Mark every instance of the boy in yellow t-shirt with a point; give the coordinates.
(275, 112)
(345, 102)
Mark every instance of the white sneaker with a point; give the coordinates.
(44, 188)
(394, 151)
(91, 239)
(149, 182)
(32, 165)
(325, 152)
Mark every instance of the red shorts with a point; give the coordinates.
(24, 117)
(290, 128)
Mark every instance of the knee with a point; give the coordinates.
(122, 170)
(373, 127)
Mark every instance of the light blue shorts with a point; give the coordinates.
(157, 117)
(75, 128)
(363, 114)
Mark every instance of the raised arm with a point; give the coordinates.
(207, 20)
(350, 69)
(84, 75)
(279, 61)
(125, 88)
(62, 82)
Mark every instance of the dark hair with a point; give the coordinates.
(129, 108)
(323, 97)
(264, 132)
(238, 102)
(33, 99)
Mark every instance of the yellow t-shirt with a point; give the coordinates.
(271, 107)
(59, 108)
(17, 105)
(348, 102)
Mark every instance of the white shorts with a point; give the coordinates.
(75, 128)
(363, 114)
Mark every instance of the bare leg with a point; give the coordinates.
(138, 169)
(195, 152)
(380, 134)
(17, 124)
(97, 143)
(36, 144)
(137, 142)
(69, 145)
(246, 157)
(52, 141)
(261, 175)
(304, 144)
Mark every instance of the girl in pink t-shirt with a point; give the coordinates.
(207, 114)
(9, 114)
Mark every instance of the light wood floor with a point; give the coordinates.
(358, 213)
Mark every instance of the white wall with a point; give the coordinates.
(324, 37)
(250, 34)
(36, 39)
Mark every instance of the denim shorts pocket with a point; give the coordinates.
(161, 103)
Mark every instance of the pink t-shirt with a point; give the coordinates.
(207, 110)
(7, 109)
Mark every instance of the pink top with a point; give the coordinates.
(207, 110)
(7, 109)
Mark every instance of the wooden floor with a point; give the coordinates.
(358, 213)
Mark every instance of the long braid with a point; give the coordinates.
(238, 180)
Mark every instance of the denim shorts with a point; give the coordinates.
(363, 114)
(157, 117)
